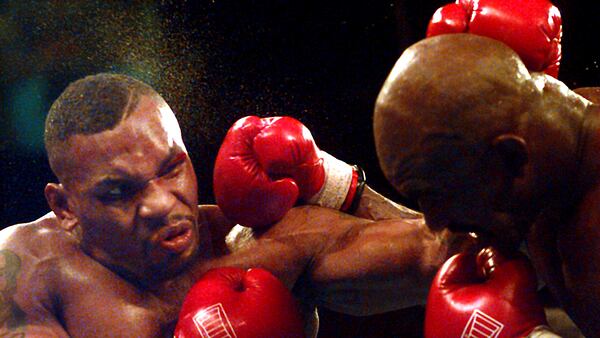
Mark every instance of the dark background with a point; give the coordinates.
(216, 61)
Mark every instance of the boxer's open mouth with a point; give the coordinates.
(176, 238)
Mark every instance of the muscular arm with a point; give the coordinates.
(373, 267)
(346, 263)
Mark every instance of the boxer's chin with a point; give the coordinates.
(466, 228)
(505, 232)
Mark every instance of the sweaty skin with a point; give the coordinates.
(464, 130)
(126, 239)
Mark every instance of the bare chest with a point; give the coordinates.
(107, 315)
(102, 304)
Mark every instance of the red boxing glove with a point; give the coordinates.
(533, 28)
(232, 302)
(485, 296)
(265, 166)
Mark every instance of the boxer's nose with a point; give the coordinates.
(157, 200)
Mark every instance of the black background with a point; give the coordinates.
(216, 61)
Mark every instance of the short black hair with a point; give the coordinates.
(91, 105)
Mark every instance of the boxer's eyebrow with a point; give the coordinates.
(122, 177)
(175, 157)
(118, 176)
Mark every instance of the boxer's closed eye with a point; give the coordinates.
(113, 191)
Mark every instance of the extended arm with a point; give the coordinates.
(373, 267)
(348, 264)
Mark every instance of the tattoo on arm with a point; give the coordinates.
(11, 316)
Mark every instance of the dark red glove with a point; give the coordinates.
(533, 28)
(232, 302)
(265, 166)
(484, 296)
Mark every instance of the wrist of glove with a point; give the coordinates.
(265, 166)
(343, 185)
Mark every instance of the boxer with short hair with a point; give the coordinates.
(481, 144)
(126, 239)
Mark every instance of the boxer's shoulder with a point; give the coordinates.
(47, 258)
(30, 261)
(38, 238)
(42, 252)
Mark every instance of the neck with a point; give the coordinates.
(588, 157)
(560, 132)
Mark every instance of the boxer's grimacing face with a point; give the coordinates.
(133, 192)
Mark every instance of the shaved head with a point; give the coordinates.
(464, 130)
(461, 86)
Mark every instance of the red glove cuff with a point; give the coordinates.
(356, 189)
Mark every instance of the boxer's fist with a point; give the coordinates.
(232, 302)
(265, 166)
(484, 295)
(533, 28)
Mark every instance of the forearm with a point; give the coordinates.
(349, 264)
(375, 206)
(378, 267)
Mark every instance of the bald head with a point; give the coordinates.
(463, 129)
(460, 86)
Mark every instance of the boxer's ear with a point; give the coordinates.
(513, 152)
(57, 198)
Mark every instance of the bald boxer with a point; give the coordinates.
(464, 130)
(126, 239)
